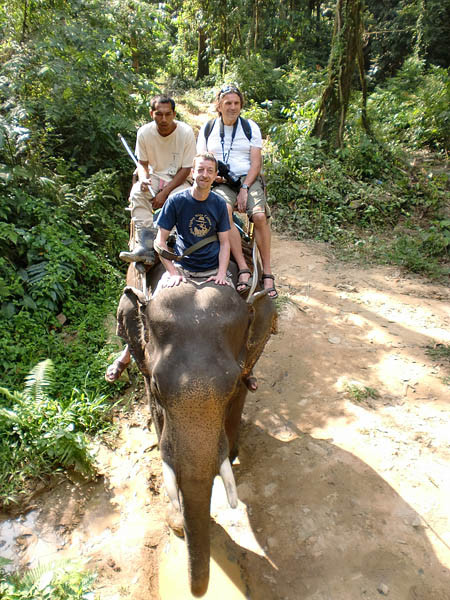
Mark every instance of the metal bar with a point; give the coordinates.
(128, 149)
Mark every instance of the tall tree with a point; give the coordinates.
(202, 55)
(346, 49)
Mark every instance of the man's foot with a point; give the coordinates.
(115, 370)
(143, 249)
(268, 282)
(243, 283)
(252, 383)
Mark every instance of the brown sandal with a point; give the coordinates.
(243, 286)
(271, 289)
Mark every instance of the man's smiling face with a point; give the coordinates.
(204, 172)
(230, 108)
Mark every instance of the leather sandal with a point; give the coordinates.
(271, 289)
(115, 370)
(243, 286)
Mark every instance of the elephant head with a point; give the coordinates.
(195, 346)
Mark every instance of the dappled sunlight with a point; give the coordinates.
(412, 313)
(350, 367)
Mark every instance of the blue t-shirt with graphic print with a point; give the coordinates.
(195, 220)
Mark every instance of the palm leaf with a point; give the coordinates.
(38, 380)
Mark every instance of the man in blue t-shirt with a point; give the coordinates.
(197, 214)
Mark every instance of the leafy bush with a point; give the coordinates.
(363, 187)
(414, 106)
(259, 80)
(62, 580)
(39, 432)
(420, 250)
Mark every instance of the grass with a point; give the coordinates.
(360, 393)
(439, 352)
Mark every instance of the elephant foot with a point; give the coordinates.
(174, 520)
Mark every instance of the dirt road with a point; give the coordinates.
(343, 475)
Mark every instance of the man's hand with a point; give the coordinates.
(158, 200)
(145, 184)
(219, 279)
(242, 200)
(172, 280)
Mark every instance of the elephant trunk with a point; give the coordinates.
(196, 513)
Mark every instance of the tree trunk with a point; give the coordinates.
(256, 25)
(202, 56)
(363, 80)
(24, 21)
(418, 46)
(134, 52)
(346, 40)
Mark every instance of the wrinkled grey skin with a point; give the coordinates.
(195, 346)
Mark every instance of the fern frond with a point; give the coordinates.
(35, 575)
(38, 379)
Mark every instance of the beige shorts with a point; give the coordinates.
(256, 201)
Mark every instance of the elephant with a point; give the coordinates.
(196, 346)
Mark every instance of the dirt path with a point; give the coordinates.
(344, 471)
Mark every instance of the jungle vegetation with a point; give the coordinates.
(353, 98)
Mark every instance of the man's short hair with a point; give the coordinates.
(162, 100)
(228, 89)
(206, 156)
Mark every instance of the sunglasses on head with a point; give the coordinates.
(229, 89)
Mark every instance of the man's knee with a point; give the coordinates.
(259, 219)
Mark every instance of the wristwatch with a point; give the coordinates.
(244, 186)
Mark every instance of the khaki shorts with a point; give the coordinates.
(256, 202)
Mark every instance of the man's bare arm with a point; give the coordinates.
(254, 171)
(161, 240)
(163, 194)
(224, 258)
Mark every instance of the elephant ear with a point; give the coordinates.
(132, 324)
(262, 323)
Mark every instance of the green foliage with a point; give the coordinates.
(414, 106)
(319, 194)
(78, 347)
(360, 393)
(403, 27)
(419, 250)
(365, 186)
(39, 432)
(439, 352)
(259, 80)
(62, 580)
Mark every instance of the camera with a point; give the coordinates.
(232, 180)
